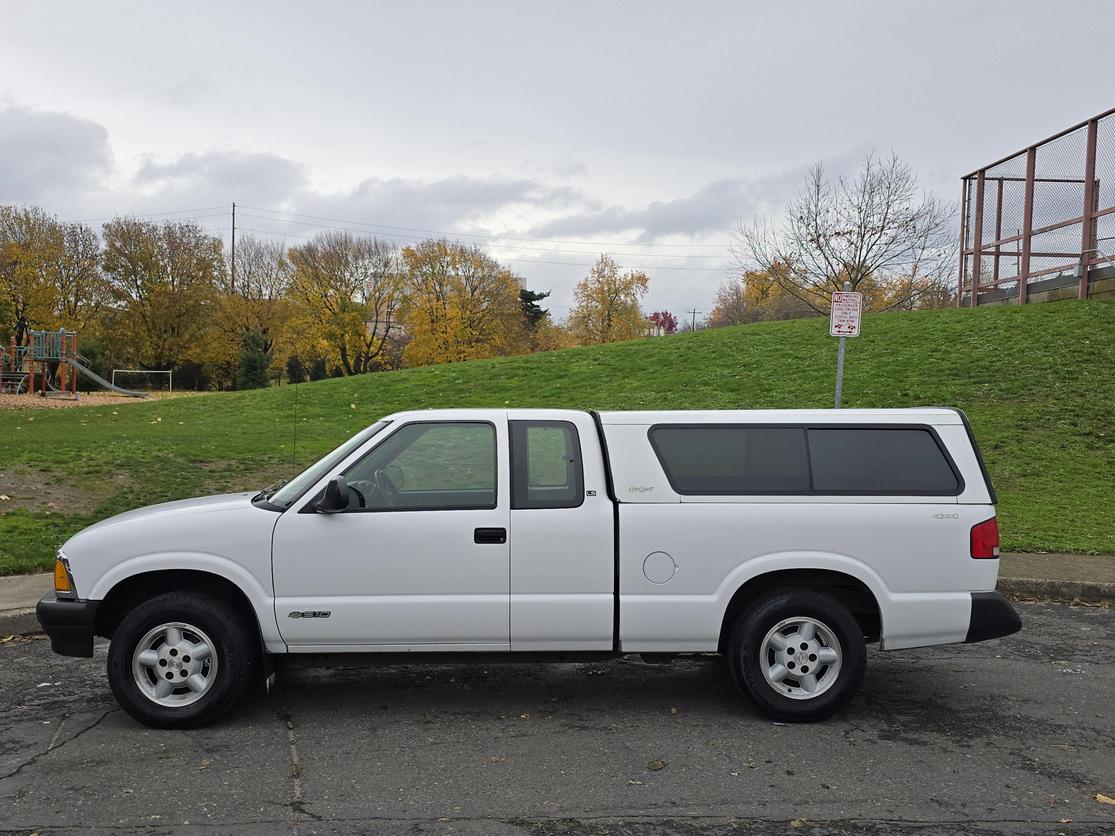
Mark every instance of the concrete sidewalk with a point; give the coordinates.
(1059, 577)
(1089, 578)
(18, 596)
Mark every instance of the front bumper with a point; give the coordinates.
(68, 623)
(992, 617)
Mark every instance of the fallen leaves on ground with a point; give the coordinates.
(1103, 799)
(656, 764)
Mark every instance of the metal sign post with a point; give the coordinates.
(844, 320)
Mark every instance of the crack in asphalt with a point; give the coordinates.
(297, 807)
(53, 745)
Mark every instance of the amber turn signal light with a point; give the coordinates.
(61, 577)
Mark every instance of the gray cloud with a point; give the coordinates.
(447, 204)
(224, 176)
(457, 199)
(715, 207)
(571, 169)
(46, 155)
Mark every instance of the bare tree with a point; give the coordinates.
(263, 271)
(877, 230)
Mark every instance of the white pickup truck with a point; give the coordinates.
(784, 540)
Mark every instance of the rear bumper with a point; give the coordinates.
(992, 617)
(69, 624)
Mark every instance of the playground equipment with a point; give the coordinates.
(49, 365)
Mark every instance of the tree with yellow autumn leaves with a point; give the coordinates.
(349, 291)
(50, 272)
(460, 304)
(607, 304)
(164, 280)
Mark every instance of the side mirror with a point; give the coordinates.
(335, 498)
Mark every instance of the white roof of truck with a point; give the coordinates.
(921, 415)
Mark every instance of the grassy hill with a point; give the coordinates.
(1037, 382)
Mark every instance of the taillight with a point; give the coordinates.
(985, 539)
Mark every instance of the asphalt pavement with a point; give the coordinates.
(1008, 736)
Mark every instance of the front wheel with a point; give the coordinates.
(798, 654)
(181, 660)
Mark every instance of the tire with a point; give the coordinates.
(153, 643)
(773, 678)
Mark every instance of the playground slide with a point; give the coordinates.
(100, 381)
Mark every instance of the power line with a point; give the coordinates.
(471, 234)
(156, 214)
(519, 260)
(497, 246)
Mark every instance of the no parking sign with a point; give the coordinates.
(846, 308)
(844, 314)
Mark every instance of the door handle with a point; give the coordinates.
(490, 535)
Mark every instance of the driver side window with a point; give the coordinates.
(427, 466)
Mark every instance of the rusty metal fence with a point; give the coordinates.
(1041, 220)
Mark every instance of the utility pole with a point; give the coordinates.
(693, 321)
(233, 288)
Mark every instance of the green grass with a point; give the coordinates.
(1037, 383)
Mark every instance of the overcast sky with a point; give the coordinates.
(632, 128)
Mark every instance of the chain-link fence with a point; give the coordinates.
(1043, 220)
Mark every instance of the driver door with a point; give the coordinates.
(418, 561)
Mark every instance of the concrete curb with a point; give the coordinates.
(18, 596)
(18, 623)
(1054, 590)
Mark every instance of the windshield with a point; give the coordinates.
(309, 477)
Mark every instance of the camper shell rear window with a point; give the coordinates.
(796, 460)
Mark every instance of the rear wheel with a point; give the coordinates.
(798, 654)
(181, 660)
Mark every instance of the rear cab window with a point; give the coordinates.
(546, 466)
(832, 460)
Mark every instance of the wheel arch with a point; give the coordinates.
(127, 593)
(851, 591)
